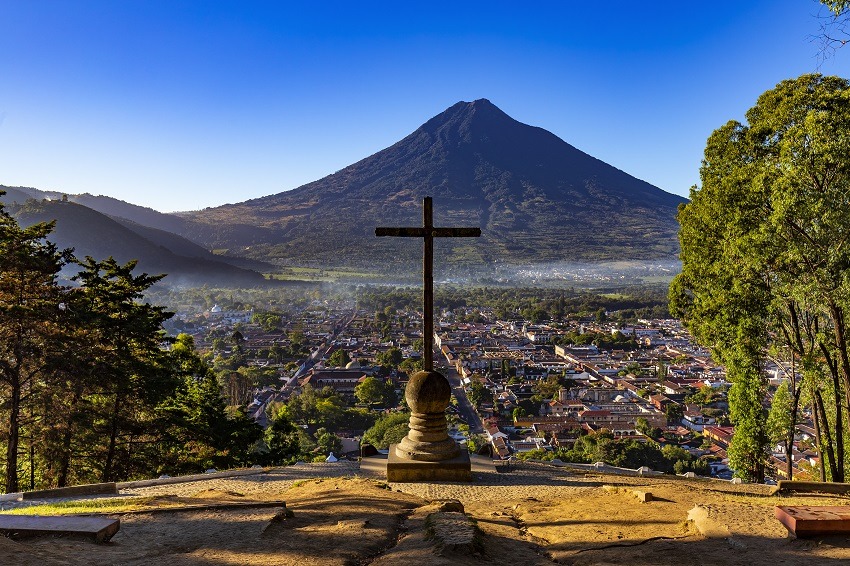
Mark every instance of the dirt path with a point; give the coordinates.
(532, 515)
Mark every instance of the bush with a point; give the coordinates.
(387, 430)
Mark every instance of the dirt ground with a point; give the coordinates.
(535, 514)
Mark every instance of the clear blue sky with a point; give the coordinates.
(180, 105)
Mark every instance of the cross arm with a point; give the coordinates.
(434, 232)
(456, 232)
(411, 232)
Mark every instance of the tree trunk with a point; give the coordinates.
(821, 461)
(113, 440)
(67, 437)
(838, 476)
(796, 389)
(830, 453)
(14, 431)
(837, 315)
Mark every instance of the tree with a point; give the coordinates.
(339, 359)
(674, 412)
(642, 426)
(478, 393)
(389, 429)
(30, 301)
(130, 363)
(390, 358)
(374, 391)
(833, 28)
(327, 442)
(781, 425)
(518, 413)
(282, 440)
(201, 432)
(764, 254)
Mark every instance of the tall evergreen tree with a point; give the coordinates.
(200, 431)
(29, 311)
(130, 364)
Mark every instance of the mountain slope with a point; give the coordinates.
(91, 233)
(535, 197)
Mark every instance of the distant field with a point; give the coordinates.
(318, 274)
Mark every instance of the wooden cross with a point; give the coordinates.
(428, 232)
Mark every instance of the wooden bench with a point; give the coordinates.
(787, 486)
(809, 521)
(101, 529)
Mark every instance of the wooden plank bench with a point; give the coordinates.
(101, 529)
(786, 486)
(808, 521)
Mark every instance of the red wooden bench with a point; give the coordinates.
(809, 521)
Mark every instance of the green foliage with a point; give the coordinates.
(476, 442)
(507, 303)
(105, 401)
(548, 388)
(30, 327)
(674, 412)
(268, 320)
(779, 419)
(378, 392)
(763, 252)
(478, 393)
(705, 395)
(201, 432)
(389, 429)
(390, 358)
(327, 442)
(283, 441)
(603, 447)
(339, 359)
(837, 7)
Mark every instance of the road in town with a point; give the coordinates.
(321, 351)
(315, 356)
(463, 404)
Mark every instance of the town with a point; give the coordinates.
(522, 388)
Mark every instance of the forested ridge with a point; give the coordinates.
(91, 388)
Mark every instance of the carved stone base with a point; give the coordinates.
(401, 469)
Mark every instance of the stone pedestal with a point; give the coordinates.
(401, 469)
(427, 453)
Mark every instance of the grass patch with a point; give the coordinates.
(108, 505)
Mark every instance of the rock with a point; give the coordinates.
(281, 520)
(448, 505)
(351, 524)
(454, 533)
(643, 496)
(705, 524)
